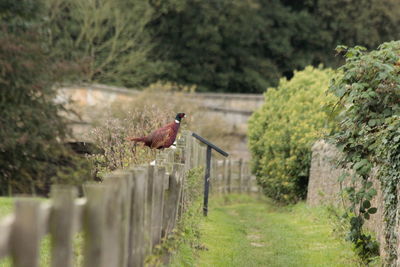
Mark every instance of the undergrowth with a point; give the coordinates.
(177, 247)
(368, 137)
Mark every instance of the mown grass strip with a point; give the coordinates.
(246, 231)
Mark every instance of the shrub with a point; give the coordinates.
(368, 135)
(282, 132)
(148, 111)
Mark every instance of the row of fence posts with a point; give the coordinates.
(121, 219)
(232, 176)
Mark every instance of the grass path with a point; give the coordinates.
(251, 232)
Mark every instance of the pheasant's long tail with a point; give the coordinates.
(136, 139)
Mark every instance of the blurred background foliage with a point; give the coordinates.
(224, 45)
(32, 154)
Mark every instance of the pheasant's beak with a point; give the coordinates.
(184, 116)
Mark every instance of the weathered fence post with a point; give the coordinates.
(139, 191)
(25, 235)
(248, 177)
(61, 225)
(158, 204)
(188, 151)
(94, 216)
(125, 185)
(172, 201)
(195, 154)
(214, 175)
(240, 166)
(229, 179)
(224, 176)
(112, 222)
(149, 207)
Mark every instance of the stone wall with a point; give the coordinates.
(89, 100)
(324, 188)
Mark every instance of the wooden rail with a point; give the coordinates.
(122, 218)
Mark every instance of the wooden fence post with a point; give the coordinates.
(149, 208)
(126, 186)
(214, 176)
(248, 177)
(94, 216)
(240, 166)
(139, 191)
(224, 176)
(182, 194)
(6, 225)
(112, 222)
(25, 237)
(188, 151)
(117, 232)
(195, 154)
(229, 180)
(158, 204)
(61, 225)
(172, 201)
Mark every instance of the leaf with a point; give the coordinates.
(366, 216)
(342, 177)
(372, 192)
(366, 204)
(372, 210)
(368, 185)
(361, 163)
(372, 123)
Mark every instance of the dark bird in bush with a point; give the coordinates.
(163, 137)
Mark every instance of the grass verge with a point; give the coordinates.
(176, 249)
(246, 231)
(6, 206)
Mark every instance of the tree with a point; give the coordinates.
(31, 151)
(107, 38)
(245, 46)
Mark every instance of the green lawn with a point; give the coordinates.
(245, 231)
(6, 206)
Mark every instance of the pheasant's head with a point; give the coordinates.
(179, 117)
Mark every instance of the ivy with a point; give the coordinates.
(368, 87)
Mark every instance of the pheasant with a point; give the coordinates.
(163, 137)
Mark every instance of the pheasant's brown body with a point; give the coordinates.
(161, 138)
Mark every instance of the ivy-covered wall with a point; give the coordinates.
(324, 189)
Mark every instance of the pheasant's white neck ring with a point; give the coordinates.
(176, 121)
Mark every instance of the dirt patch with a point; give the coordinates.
(255, 237)
(259, 245)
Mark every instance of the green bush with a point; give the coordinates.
(282, 132)
(368, 135)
